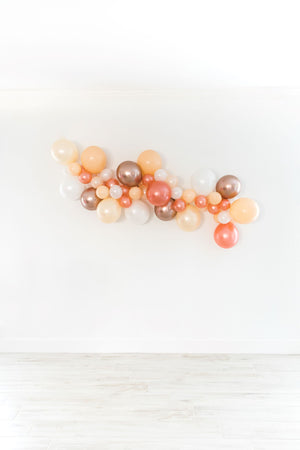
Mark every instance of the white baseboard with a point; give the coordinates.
(148, 346)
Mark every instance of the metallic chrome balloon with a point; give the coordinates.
(165, 212)
(89, 199)
(129, 173)
(228, 186)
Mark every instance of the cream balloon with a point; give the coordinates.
(189, 219)
(204, 181)
(138, 212)
(64, 151)
(244, 210)
(109, 210)
(71, 188)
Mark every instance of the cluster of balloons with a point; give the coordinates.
(137, 185)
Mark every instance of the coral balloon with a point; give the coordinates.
(85, 177)
(189, 219)
(109, 210)
(226, 235)
(213, 209)
(64, 151)
(201, 201)
(228, 186)
(93, 159)
(149, 161)
(244, 210)
(147, 179)
(89, 199)
(166, 212)
(159, 193)
(125, 201)
(179, 205)
(224, 205)
(129, 173)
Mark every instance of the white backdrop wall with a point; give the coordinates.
(72, 283)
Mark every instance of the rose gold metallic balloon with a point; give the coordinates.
(228, 186)
(89, 199)
(165, 212)
(129, 173)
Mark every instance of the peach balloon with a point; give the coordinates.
(244, 210)
(189, 219)
(226, 235)
(149, 161)
(93, 159)
(102, 192)
(159, 193)
(109, 210)
(189, 195)
(214, 198)
(64, 151)
(135, 193)
(74, 169)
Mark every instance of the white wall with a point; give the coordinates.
(69, 282)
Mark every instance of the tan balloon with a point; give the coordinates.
(93, 159)
(189, 219)
(149, 161)
(64, 151)
(109, 210)
(244, 210)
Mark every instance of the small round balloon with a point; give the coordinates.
(93, 159)
(64, 151)
(244, 210)
(204, 181)
(159, 193)
(89, 199)
(165, 212)
(226, 235)
(129, 173)
(138, 212)
(109, 210)
(228, 186)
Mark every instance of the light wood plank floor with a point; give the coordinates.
(143, 402)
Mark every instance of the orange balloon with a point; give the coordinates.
(93, 159)
(244, 210)
(149, 161)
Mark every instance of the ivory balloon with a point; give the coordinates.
(189, 219)
(64, 151)
(149, 161)
(109, 210)
(204, 181)
(244, 210)
(93, 159)
(138, 212)
(71, 188)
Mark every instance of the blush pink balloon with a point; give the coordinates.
(159, 193)
(226, 235)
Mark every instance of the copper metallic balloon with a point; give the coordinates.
(165, 212)
(89, 199)
(228, 186)
(129, 173)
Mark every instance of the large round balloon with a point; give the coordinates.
(138, 212)
(89, 199)
(189, 219)
(70, 188)
(64, 151)
(244, 210)
(204, 181)
(129, 173)
(149, 161)
(159, 193)
(93, 159)
(165, 212)
(109, 210)
(228, 186)
(226, 235)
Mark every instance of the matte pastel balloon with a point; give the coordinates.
(165, 212)
(228, 186)
(135, 193)
(129, 173)
(89, 199)
(204, 181)
(189, 219)
(149, 161)
(102, 192)
(244, 210)
(226, 235)
(214, 198)
(159, 193)
(189, 195)
(138, 212)
(109, 210)
(64, 151)
(74, 168)
(93, 159)
(70, 188)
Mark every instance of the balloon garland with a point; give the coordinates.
(135, 185)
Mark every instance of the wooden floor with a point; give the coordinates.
(142, 401)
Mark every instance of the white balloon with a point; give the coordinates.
(176, 192)
(224, 217)
(138, 212)
(204, 181)
(161, 175)
(116, 191)
(106, 174)
(71, 188)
